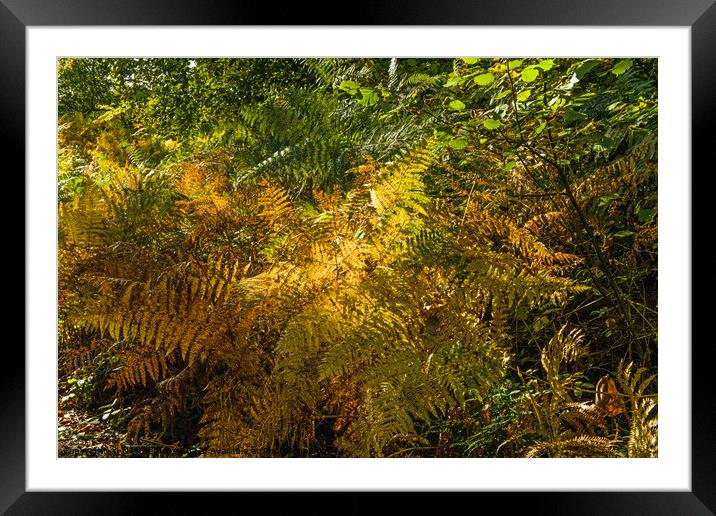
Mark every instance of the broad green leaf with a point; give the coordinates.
(491, 124)
(509, 166)
(502, 94)
(458, 143)
(368, 97)
(546, 64)
(530, 74)
(622, 66)
(646, 215)
(515, 63)
(484, 79)
(524, 95)
(585, 68)
(349, 86)
(457, 105)
(469, 60)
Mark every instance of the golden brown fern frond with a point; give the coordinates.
(643, 413)
(83, 222)
(580, 446)
(276, 206)
(564, 347)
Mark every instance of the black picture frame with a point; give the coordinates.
(699, 15)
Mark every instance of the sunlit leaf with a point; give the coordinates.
(484, 79)
(349, 86)
(530, 74)
(585, 68)
(458, 143)
(368, 97)
(622, 66)
(457, 105)
(546, 64)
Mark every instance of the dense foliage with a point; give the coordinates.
(361, 257)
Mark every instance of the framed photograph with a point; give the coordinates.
(424, 248)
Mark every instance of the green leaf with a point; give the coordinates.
(540, 128)
(530, 74)
(585, 68)
(646, 215)
(606, 199)
(622, 66)
(570, 115)
(469, 60)
(623, 233)
(524, 95)
(502, 94)
(515, 63)
(458, 143)
(457, 105)
(349, 86)
(484, 79)
(509, 166)
(491, 124)
(546, 64)
(453, 80)
(587, 385)
(368, 97)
